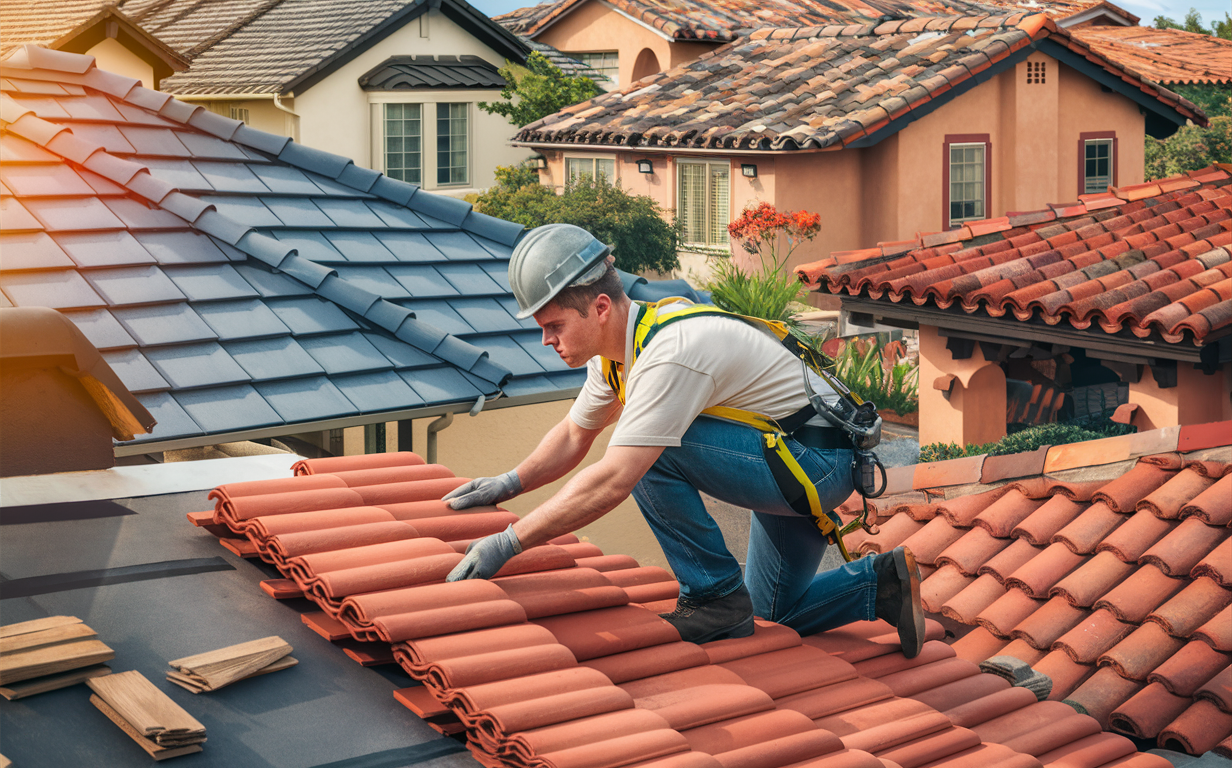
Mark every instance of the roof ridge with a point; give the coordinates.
(242, 22)
(324, 281)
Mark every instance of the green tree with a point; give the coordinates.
(538, 90)
(1223, 28)
(1192, 23)
(634, 225)
(1189, 149)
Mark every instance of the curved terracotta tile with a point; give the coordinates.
(1084, 533)
(941, 586)
(1090, 639)
(746, 730)
(1065, 673)
(401, 492)
(1146, 648)
(706, 704)
(962, 511)
(767, 636)
(1007, 611)
(1056, 735)
(275, 486)
(545, 557)
(1103, 692)
(988, 756)
(474, 643)
(1045, 626)
(1190, 668)
(1147, 713)
(1178, 552)
(369, 554)
(893, 533)
(606, 563)
(909, 682)
(1003, 515)
(603, 632)
(681, 760)
(1024, 651)
(1122, 494)
(839, 697)
(1214, 505)
(1198, 729)
(1142, 592)
(1140, 760)
(332, 464)
(975, 548)
(1002, 565)
(933, 650)
(1132, 539)
(791, 670)
(646, 584)
(960, 692)
(929, 542)
(237, 509)
(1042, 524)
(292, 545)
(845, 758)
(1089, 752)
(485, 696)
(649, 662)
(967, 604)
(854, 721)
(772, 752)
(298, 522)
(1167, 500)
(445, 674)
(395, 473)
(342, 583)
(1192, 607)
(978, 644)
(578, 549)
(1039, 574)
(618, 751)
(1093, 579)
(1217, 565)
(709, 674)
(863, 640)
(1024, 723)
(569, 590)
(1218, 631)
(551, 709)
(463, 526)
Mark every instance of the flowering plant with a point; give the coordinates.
(760, 227)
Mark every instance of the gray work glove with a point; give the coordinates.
(483, 491)
(484, 557)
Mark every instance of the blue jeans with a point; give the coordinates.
(725, 460)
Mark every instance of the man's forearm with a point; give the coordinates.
(560, 450)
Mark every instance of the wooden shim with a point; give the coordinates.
(55, 682)
(37, 625)
(217, 668)
(154, 750)
(52, 636)
(51, 659)
(150, 711)
(194, 685)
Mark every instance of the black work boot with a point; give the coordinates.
(898, 597)
(722, 617)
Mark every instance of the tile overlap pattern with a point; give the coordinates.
(1119, 591)
(561, 660)
(236, 279)
(1151, 260)
(813, 87)
(1164, 55)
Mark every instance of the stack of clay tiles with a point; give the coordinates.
(1117, 590)
(561, 660)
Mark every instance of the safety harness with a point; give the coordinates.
(799, 491)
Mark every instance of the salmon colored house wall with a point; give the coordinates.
(895, 189)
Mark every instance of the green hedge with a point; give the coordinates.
(1028, 439)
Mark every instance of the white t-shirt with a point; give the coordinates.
(689, 366)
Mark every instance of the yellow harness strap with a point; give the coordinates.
(651, 319)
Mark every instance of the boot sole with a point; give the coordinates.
(911, 612)
(742, 629)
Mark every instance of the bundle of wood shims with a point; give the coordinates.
(212, 670)
(46, 654)
(159, 725)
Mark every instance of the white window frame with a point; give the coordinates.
(384, 114)
(612, 72)
(707, 225)
(958, 222)
(470, 131)
(594, 165)
(428, 101)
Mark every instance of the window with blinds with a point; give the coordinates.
(452, 143)
(404, 142)
(1097, 164)
(966, 183)
(606, 63)
(576, 167)
(704, 201)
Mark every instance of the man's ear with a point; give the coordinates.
(603, 307)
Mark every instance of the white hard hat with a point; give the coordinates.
(551, 258)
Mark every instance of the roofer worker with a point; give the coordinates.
(665, 451)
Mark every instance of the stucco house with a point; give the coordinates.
(391, 83)
(887, 130)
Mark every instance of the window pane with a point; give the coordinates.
(451, 144)
(606, 168)
(692, 206)
(576, 167)
(718, 205)
(966, 183)
(1097, 165)
(403, 141)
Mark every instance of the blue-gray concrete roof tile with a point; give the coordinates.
(230, 177)
(348, 295)
(462, 354)
(297, 212)
(396, 215)
(137, 216)
(72, 214)
(379, 391)
(241, 319)
(59, 290)
(511, 306)
(45, 107)
(92, 107)
(163, 324)
(313, 160)
(440, 385)
(307, 272)
(222, 226)
(439, 314)
(374, 279)
(345, 353)
(284, 180)
(489, 370)
(532, 342)
(266, 142)
(349, 213)
(215, 124)
(139, 116)
(469, 279)
(15, 218)
(395, 191)
(527, 386)
(310, 399)
(568, 379)
(271, 284)
(154, 142)
(209, 147)
(228, 409)
(101, 329)
(400, 353)
(506, 352)
(184, 247)
(17, 149)
(485, 315)
(101, 185)
(360, 246)
(311, 315)
(422, 281)
(173, 420)
(311, 244)
(126, 286)
(448, 209)
(359, 177)
(210, 282)
(274, 358)
(249, 211)
(135, 371)
(489, 227)
(181, 174)
(44, 180)
(409, 246)
(30, 250)
(103, 249)
(457, 246)
(387, 315)
(106, 136)
(332, 189)
(188, 366)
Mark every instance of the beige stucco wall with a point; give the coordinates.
(112, 56)
(596, 28)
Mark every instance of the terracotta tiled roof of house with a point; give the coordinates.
(1163, 55)
(237, 280)
(561, 661)
(1153, 259)
(821, 87)
(723, 20)
(1061, 9)
(1117, 587)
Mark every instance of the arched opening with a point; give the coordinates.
(646, 64)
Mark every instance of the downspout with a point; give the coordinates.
(294, 132)
(442, 423)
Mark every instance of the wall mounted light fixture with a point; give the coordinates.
(645, 166)
(539, 162)
(748, 169)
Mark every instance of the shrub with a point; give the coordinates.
(1027, 439)
(879, 372)
(1189, 149)
(540, 89)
